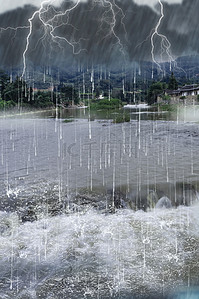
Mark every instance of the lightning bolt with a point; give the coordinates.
(27, 42)
(13, 28)
(113, 22)
(52, 19)
(49, 26)
(122, 18)
(114, 10)
(165, 44)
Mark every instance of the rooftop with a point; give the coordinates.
(184, 88)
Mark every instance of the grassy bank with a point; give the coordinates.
(106, 104)
(121, 118)
(166, 107)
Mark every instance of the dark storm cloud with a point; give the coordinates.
(91, 27)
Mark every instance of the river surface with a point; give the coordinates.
(79, 214)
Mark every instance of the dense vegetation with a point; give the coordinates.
(158, 89)
(107, 93)
(106, 104)
(120, 118)
(19, 94)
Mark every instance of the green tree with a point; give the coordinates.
(42, 99)
(4, 81)
(173, 84)
(17, 91)
(68, 94)
(105, 86)
(97, 92)
(156, 89)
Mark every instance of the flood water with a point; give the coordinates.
(79, 209)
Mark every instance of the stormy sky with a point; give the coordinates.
(10, 4)
(112, 32)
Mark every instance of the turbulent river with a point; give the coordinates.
(80, 209)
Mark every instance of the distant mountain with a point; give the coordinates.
(115, 40)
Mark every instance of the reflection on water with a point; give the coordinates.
(149, 113)
(146, 114)
(79, 205)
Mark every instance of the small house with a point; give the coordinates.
(187, 94)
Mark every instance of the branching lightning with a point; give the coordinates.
(165, 44)
(13, 28)
(111, 8)
(113, 23)
(122, 18)
(49, 26)
(52, 19)
(27, 42)
(110, 17)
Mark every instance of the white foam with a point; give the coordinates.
(138, 106)
(132, 250)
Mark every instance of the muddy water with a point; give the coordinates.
(63, 233)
